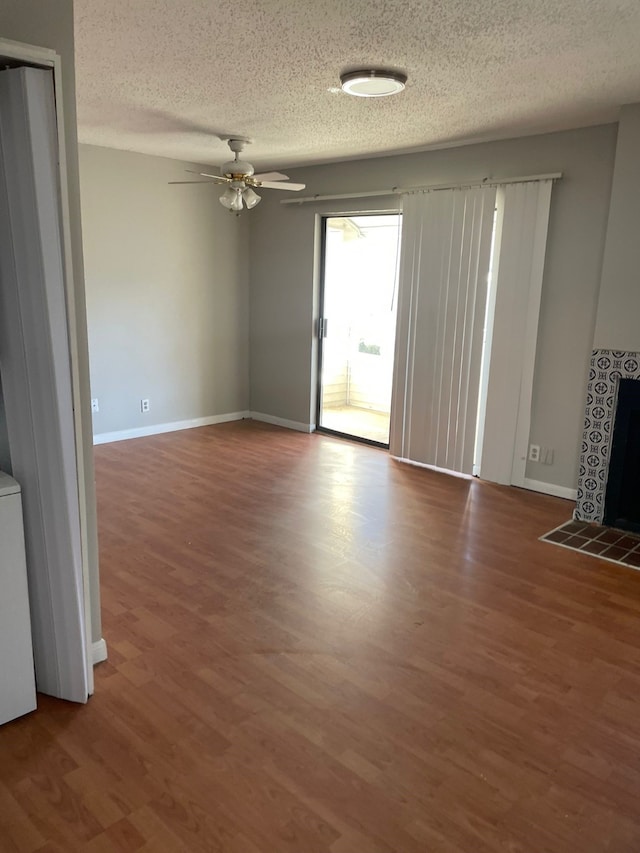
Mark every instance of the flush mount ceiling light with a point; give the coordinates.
(372, 83)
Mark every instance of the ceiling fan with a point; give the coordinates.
(240, 179)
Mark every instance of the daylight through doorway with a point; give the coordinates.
(357, 324)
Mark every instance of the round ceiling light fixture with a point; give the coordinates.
(372, 83)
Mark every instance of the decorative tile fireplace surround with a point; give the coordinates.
(606, 369)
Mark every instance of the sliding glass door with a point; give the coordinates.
(357, 325)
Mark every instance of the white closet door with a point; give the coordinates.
(446, 245)
(36, 379)
(521, 239)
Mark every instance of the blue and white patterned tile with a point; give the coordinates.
(606, 369)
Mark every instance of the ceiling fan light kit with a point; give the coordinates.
(250, 197)
(372, 82)
(231, 199)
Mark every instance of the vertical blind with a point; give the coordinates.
(512, 331)
(444, 266)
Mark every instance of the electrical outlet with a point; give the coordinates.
(534, 453)
(144, 406)
(95, 407)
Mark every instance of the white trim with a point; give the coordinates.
(283, 422)
(459, 474)
(549, 489)
(99, 651)
(10, 49)
(479, 182)
(156, 429)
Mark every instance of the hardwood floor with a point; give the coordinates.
(315, 649)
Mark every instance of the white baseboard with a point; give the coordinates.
(99, 651)
(283, 422)
(156, 429)
(550, 489)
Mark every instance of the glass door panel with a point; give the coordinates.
(357, 325)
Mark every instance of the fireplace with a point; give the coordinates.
(622, 496)
(609, 371)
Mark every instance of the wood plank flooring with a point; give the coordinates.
(315, 649)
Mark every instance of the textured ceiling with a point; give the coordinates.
(162, 76)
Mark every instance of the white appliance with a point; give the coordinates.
(17, 679)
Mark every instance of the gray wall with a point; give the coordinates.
(618, 323)
(167, 292)
(50, 25)
(283, 270)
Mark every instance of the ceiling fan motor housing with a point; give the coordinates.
(237, 167)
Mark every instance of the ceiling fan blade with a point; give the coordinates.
(270, 176)
(220, 178)
(272, 185)
(191, 182)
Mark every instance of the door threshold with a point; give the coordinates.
(360, 439)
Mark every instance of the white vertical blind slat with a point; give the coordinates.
(513, 329)
(446, 243)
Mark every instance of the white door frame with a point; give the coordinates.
(47, 58)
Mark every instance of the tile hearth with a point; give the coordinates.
(618, 546)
